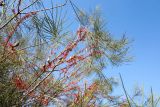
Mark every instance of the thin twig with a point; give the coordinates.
(75, 11)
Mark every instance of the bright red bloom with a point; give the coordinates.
(45, 101)
(20, 84)
(81, 33)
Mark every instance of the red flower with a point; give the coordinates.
(72, 88)
(20, 84)
(81, 33)
(64, 70)
(45, 101)
(72, 83)
(92, 86)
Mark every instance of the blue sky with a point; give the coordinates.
(140, 21)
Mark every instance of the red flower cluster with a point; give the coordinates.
(77, 97)
(45, 101)
(92, 86)
(47, 66)
(20, 84)
(71, 88)
(75, 58)
(81, 33)
(64, 70)
(71, 83)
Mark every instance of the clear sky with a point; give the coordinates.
(139, 20)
